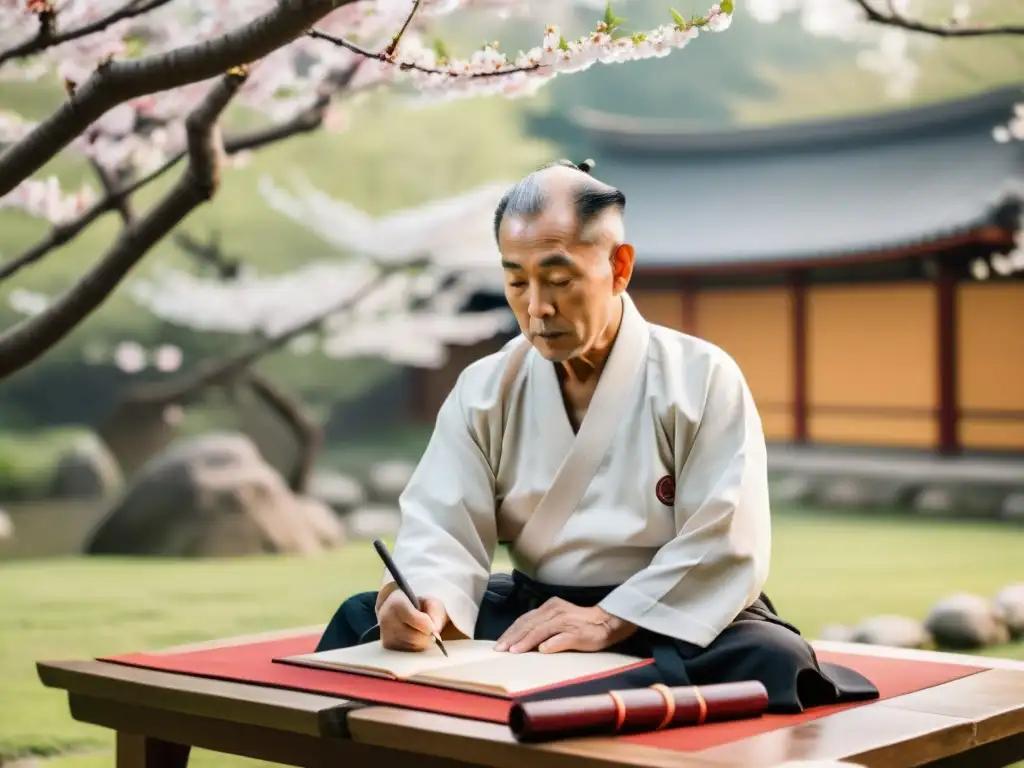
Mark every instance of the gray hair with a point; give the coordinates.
(591, 197)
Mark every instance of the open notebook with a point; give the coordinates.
(472, 665)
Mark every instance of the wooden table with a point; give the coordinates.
(977, 721)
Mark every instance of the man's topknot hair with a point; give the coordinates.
(591, 196)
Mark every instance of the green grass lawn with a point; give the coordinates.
(827, 567)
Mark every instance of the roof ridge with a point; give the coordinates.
(669, 135)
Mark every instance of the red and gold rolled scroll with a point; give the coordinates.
(636, 710)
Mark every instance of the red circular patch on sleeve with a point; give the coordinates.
(665, 490)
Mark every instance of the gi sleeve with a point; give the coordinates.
(717, 564)
(448, 530)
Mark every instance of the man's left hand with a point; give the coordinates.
(561, 626)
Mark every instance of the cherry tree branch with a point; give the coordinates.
(223, 371)
(23, 343)
(893, 18)
(46, 37)
(393, 45)
(116, 198)
(121, 203)
(115, 82)
(384, 58)
(309, 436)
(209, 254)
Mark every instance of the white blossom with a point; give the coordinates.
(130, 357)
(141, 134)
(395, 291)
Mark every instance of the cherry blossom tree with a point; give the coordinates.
(396, 291)
(890, 30)
(147, 82)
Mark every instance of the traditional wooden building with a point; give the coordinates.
(837, 262)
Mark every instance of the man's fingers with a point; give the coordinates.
(519, 627)
(418, 620)
(528, 622)
(536, 636)
(563, 641)
(434, 608)
(405, 613)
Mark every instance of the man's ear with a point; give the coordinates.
(622, 267)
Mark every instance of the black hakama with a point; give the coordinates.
(758, 645)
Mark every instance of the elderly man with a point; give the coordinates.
(622, 462)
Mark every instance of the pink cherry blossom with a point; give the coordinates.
(137, 137)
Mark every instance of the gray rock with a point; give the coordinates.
(341, 492)
(86, 470)
(213, 496)
(844, 493)
(372, 521)
(980, 501)
(1009, 602)
(892, 631)
(387, 480)
(6, 526)
(964, 621)
(791, 489)
(1013, 507)
(859, 493)
(836, 633)
(935, 501)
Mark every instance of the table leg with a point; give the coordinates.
(137, 751)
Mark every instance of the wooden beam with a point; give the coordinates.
(946, 338)
(798, 288)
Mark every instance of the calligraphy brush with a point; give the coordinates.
(403, 584)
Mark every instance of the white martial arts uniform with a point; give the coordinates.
(668, 407)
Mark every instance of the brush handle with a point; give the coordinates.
(395, 574)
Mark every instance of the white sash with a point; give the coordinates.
(593, 439)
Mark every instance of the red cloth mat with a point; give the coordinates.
(253, 663)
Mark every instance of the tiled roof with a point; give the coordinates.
(813, 191)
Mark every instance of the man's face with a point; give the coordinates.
(561, 291)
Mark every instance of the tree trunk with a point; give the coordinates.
(308, 433)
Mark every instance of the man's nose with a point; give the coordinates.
(540, 306)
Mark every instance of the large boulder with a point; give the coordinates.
(1010, 604)
(86, 470)
(213, 496)
(964, 621)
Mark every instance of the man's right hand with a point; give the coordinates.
(403, 628)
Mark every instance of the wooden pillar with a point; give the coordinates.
(689, 319)
(798, 292)
(946, 317)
